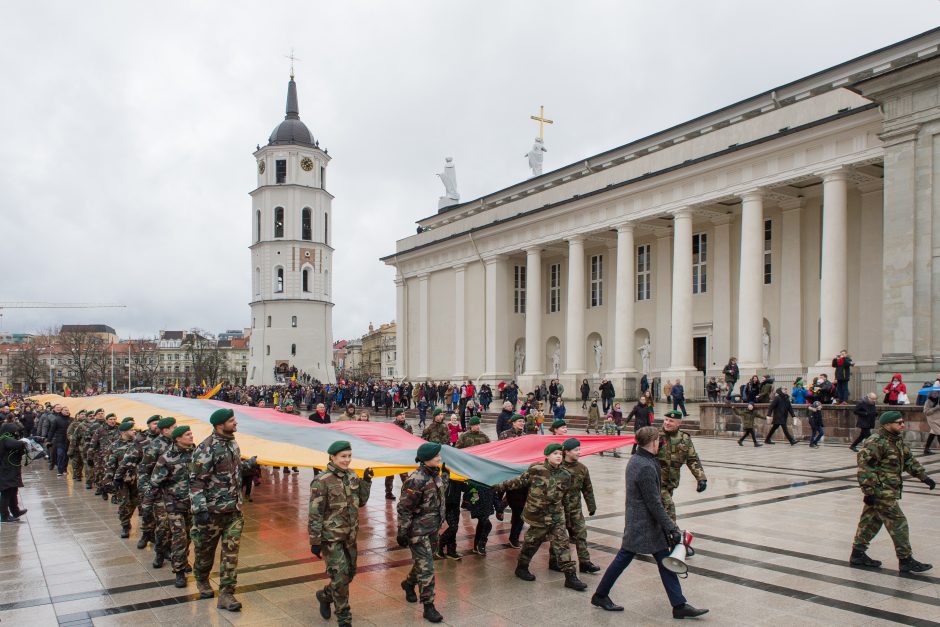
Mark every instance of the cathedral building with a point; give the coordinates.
(779, 230)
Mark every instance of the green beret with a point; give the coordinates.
(154, 418)
(128, 419)
(99, 411)
(437, 412)
(399, 412)
(220, 415)
(180, 430)
(338, 447)
(110, 416)
(164, 423)
(80, 412)
(474, 421)
(890, 416)
(428, 451)
(551, 448)
(127, 425)
(558, 423)
(672, 413)
(570, 444)
(516, 417)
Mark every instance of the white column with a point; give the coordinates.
(574, 327)
(401, 339)
(833, 287)
(424, 323)
(681, 352)
(534, 357)
(460, 322)
(751, 283)
(719, 284)
(624, 315)
(495, 315)
(789, 338)
(662, 296)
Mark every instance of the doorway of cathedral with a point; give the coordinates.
(700, 353)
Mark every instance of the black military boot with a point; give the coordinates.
(860, 558)
(180, 579)
(97, 491)
(553, 564)
(410, 594)
(158, 559)
(325, 611)
(522, 572)
(145, 537)
(431, 614)
(126, 531)
(910, 565)
(589, 567)
(572, 581)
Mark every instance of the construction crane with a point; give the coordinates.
(39, 305)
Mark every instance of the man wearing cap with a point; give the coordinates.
(437, 431)
(130, 467)
(882, 460)
(474, 436)
(73, 434)
(559, 427)
(100, 447)
(675, 451)
(151, 500)
(171, 477)
(420, 514)
(548, 482)
(215, 483)
(574, 516)
(95, 421)
(390, 480)
(336, 495)
(124, 488)
(516, 428)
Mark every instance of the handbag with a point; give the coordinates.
(903, 399)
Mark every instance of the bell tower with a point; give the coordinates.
(291, 256)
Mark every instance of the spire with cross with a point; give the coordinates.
(542, 120)
(292, 59)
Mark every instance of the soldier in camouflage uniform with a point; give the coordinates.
(390, 480)
(883, 459)
(100, 448)
(131, 467)
(335, 498)
(215, 484)
(74, 432)
(124, 486)
(675, 451)
(474, 436)
(170, 475)
(437, 431)
(574, 517)
(95, 421)
(151, 503)
(420, 514)
(548, 483)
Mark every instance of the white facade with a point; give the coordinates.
(809, 210)
(291, 256)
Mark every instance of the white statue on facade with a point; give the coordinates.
(598, 357)
(449, 179)
(645, 349)
(765, 345)
(535, 156)
(556, 362)
(520, 361)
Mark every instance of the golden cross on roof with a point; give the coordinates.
(292, 59)
(542, 120)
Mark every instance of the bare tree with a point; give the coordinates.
(208, 362)
(26, 366)
(144, 360)
(85, 361)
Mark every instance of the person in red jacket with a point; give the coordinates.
(894, 390)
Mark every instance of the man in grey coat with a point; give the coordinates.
(647, 530)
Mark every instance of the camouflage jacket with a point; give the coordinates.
(547, 486)
(88, 434)
(882, 461)
(134, 454)
(151, 453)
(580, 484)
(403, 425)
(216, 478)
(171, 476)
(335, 498)
(421, 507)
(113, 460)
(75, 434)
(511, 433)
(609, 427)
(101, 441)
(437, 432)
(471, 438)
(675, 452)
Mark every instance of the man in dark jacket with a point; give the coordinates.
(780, 410)
(58, 439)
(678, 397)
(843, 365)
(865, 414)
(607, 395)
(731, 373)
(647, 529)
(504, 420)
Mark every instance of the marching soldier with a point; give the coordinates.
(215, 484)
(130, 466)
(881, 463)
(474, 436)
(676, 450)
(516, 428)
(152, 508)
(420, 514)
(574, 516)
(335, 498)
(171, 477)
(74, 435)
(124, 487)
(548, 484)
(95, 421)
(100, 447)
(437, 431)
(390, 480)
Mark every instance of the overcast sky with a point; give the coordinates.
(128, 128)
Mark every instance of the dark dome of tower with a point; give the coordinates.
(291, 130)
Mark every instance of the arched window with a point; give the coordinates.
(279, 280)
(326, 229)
(258, 225)
(293, 349)
(293, 321)
(279, 222)
(305, 280)
(306, 224)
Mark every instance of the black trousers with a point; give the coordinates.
(751, 433)
(452, 517)
(484, 526)
(9, 504)
(786, 432)
(862, 435)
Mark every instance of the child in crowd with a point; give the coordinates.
(610, 428)
(454, 426)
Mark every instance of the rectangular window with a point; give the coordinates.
(699, 263)
(293, 321)
(768, 267)
(554, 288)
(280, 170)
(518, 289)
(597, 280)
(643, 273)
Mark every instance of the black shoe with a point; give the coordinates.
(158, 560)
(589, 567)
(104, 496)
(88, 486)
(854, 449)
(180, 579)
(522, 572)
(8, 519)
(605, 604)
(927, 451)
(452, 554)
(756, 444)
(431, 614)
(910, 565)
(114, 500)
(97, 491)
(19, 513)
(687, 611)
(389, 496)
(860, 558)
(439, 554)
(765, 442)
(410, 594)
(145, 537)
(187, 568)
(514, 544)
(740, 442)
(480, 549)
(325, 611)
(125, 532)
(572, 581)
(552, 565)
(794, 442)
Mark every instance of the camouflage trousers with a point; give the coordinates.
(89, 469)
(422, 571)
(669, 504)
(559, 546)
(100, 470)
(77, 463)
(340, 559)
(180, 524)
(887, 512)
(226, 528)
(577, 534)
(147, 522)
(128, 498)
(161, 524)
